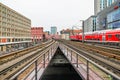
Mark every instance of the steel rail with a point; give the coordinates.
(11, 77)
(22, 61)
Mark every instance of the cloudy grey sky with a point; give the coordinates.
(60, 13)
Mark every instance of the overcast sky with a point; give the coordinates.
(46, 13)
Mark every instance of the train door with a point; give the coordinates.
(103, 37)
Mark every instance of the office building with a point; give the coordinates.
(109, 18)
(110, 2)
(53, 30)
(99, 5)
(14, 27)
(90, 24)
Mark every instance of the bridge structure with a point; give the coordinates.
(52, 60)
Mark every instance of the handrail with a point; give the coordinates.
(100, 67)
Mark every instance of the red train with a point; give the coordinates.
(99, 36)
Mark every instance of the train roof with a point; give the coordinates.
(88, 32)
(98, 32)
(102, 31)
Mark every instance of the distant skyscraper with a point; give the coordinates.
(109, 2)
(99, 5)
(53, 30)
(109, 18)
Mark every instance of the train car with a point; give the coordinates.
(113, 35)
(99, 36)
(103, 36)
(80, 37)
(88, 36)
(73, 37)
(77, 37)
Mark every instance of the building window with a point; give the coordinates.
(113, 16)
(8, 40)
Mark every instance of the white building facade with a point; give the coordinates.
(90, 24)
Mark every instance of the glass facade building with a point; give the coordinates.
(113, 19)
(110, 2)
(100, 5)
(94, 23)
(53, 30)
(109, 18)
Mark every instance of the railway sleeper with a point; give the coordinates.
(1, 62)
(4, 73)
(5, 61)
(10, 69)
(116, 73)
(19, 64)
(16, 66)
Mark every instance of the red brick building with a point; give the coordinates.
(37, 33)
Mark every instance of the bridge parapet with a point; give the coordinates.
(30, 64)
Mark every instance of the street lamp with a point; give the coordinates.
(82, 30)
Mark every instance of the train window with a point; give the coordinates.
(118, 36)
(109, 36)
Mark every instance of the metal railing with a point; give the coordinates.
(83, 65)
(46, 56)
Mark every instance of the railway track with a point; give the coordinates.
(16, 61)
(114, 45)
(106, 52)
(13, 55)
(111, 65)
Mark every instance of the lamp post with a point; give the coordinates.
(82, 30)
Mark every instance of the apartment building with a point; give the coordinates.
(14, 27)
(37, 34)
